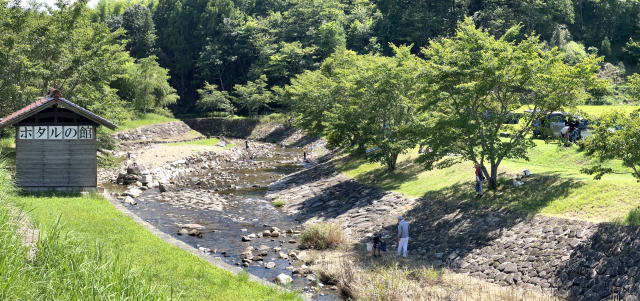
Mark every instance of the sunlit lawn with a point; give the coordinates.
(203, 142)
(146, 119)
(596, 110)
(557, 187)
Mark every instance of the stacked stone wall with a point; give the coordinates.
(576, 260)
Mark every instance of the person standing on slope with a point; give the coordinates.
(403, 236)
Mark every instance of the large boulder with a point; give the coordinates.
(133, 169)
(127, 179)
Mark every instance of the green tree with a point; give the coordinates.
(149, 83)
(605, 47)
(475, 81)
(61, 48)
(361, 101)
(254, 96)
(616, 137)
(632, 87)
(213, 100)
(311, 96)
(332, 38)
(141, 33)
(390, 92)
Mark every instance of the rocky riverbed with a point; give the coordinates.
(221, 202)
(214, 201)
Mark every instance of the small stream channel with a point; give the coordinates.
(228, 202)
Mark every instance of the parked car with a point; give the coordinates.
(555, 123)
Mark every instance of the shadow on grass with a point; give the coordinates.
(406, 171)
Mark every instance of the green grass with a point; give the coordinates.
(174, 272)
(600, 110)
(63, 268)
(8, 150)
(110, 161)
(205, 142)
(558, 188)
(596, 110)
(146, 119)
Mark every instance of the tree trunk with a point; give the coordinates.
(360, 149)
(493, 178)
(392, 160)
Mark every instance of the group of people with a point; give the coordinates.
(571, 131)
(380, 246)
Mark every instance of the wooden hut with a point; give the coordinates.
(55, 145)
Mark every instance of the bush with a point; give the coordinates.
(105, 141)
(278, 203)
(322, 236)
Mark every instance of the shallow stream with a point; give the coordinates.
(228, 202)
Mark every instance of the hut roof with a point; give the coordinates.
(47, 102)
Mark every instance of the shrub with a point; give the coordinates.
(278, 203)
(633, 218)
(322, 236)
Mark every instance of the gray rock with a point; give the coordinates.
(146, 179)
(134, 192)
(164, 187)
(283, 279)
(129, 200)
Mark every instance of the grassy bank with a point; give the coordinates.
(146, 119)
(104, 250)
(63, 268)
(557, 188)
(202, 142)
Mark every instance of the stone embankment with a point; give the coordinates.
(572, 259)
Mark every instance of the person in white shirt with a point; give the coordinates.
(403, 236)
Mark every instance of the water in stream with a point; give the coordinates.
(228, 200)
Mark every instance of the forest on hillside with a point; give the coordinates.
(247, 42)
(221, 57)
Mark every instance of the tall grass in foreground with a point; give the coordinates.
(63, 268)
(387, 279)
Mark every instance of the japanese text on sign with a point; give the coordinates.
(39, 132)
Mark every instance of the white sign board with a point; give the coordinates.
(56, 132)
